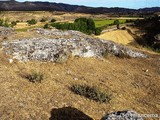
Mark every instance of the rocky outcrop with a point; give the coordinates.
(64, 44)
(123, 115)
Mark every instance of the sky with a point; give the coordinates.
(109, 3)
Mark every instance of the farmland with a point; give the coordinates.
(104, 22)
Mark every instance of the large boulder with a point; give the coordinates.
(66, 43)
(123, 115)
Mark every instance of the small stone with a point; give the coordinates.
(10, 61)
(75, 78)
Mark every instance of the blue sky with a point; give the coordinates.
(109, 3)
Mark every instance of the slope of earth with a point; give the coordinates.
(133, 83)
(118, 36)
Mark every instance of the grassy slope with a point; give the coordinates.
(131, 87)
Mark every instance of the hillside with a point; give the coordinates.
(118, 36)
(132, 84)
(47, 6)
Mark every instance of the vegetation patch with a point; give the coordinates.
(32, 22)
(92, 93)
(151, 26)
(85, 25)
(107, 22)
(34, 77)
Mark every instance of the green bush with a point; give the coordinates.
(98, 31)
(13, 23)
(92, 93)
(31, 22)
(34, 77)
(46, 26)
(4, 23)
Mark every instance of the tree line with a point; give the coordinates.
(85, 25)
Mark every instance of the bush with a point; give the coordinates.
(13, 23)
(92, 93)
(43, 20)
(98, 31)
(4, 23)
(53, 20)
(32, 22)
(1, 22)
(34, 77)
(46, 26)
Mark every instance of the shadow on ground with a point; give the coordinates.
(68, 113)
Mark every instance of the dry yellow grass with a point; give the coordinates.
(133, 83)
(118, 36)
(131, 87)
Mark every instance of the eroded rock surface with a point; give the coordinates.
(64, 44)
(5, 31)
(123, 115)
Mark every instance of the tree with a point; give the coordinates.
(84, 25)
(98, 31)
(116, 22)
(90, 24)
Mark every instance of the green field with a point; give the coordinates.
(103, 22)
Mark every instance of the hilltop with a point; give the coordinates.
(47, 6)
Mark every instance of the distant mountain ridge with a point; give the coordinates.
(47, 6)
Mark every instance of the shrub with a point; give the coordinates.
(43, 20)
(13, 23)
(46, 26)
(31, 22)
(92, 93)
(1, 22)
(98, 31)
(34, 77)
(4, 23)
(53, 20)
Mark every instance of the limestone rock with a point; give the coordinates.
(59, 49)
(123, 115)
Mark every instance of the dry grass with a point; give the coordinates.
(118, 36)
(130, 85)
